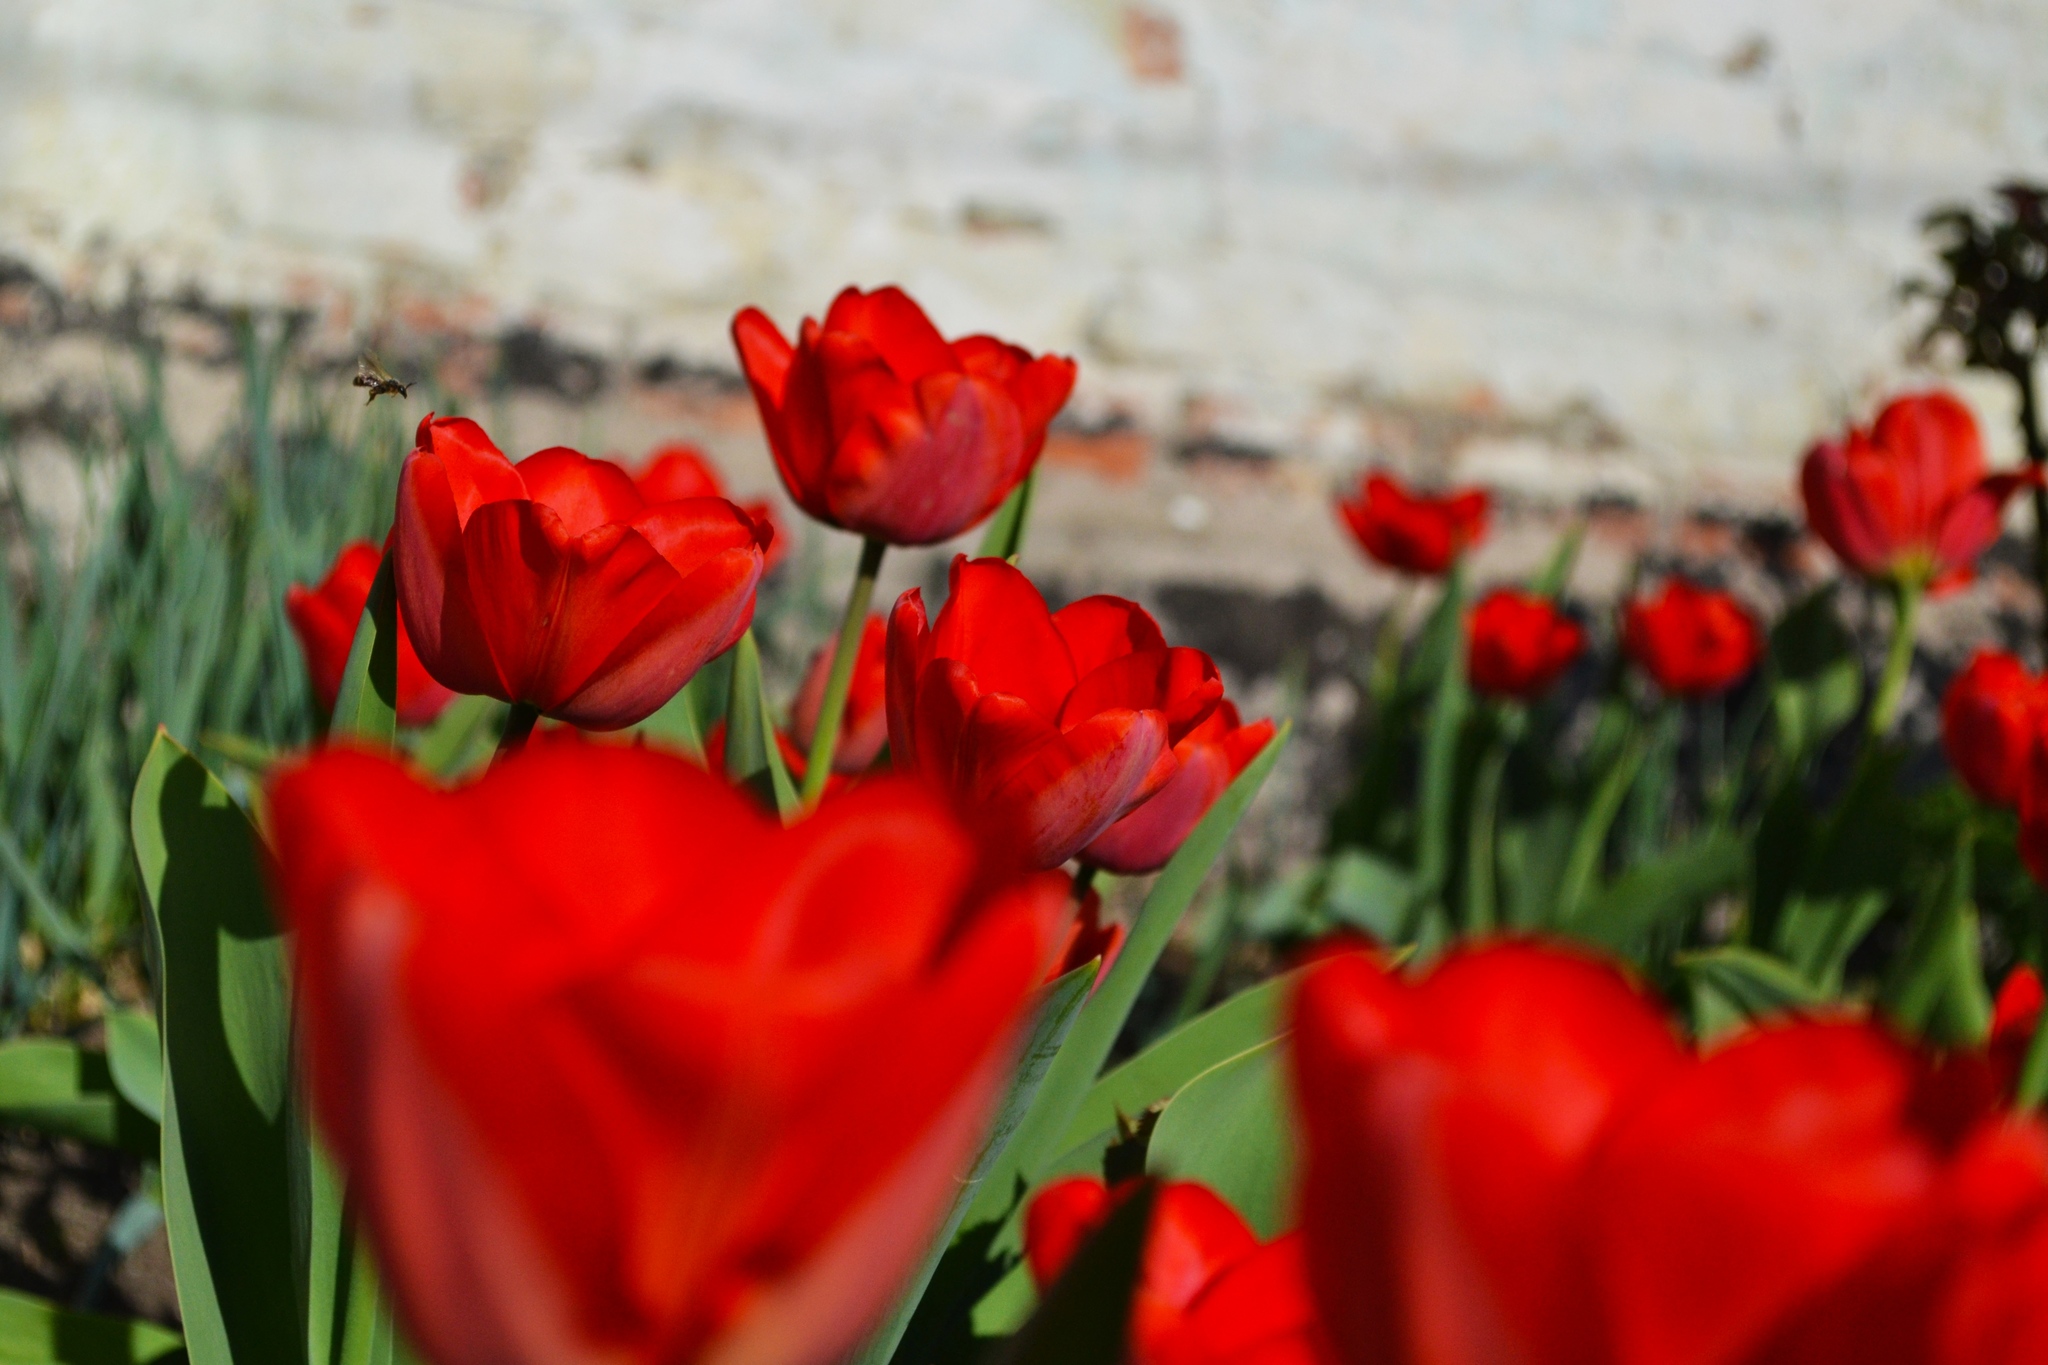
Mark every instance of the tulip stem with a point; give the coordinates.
(518, 725)
(832, 710)
(1891, 684)
(1084, 881)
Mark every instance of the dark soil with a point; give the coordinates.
(57, 1197)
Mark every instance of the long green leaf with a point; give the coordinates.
(1732, 986)
(1589, 845)
(135, 1059)
(1663, 890)
(35, 1331)
(1004, 538)
(224, 1016)
(367, 707)
(1231, 1128)
(1074, 1070)
(55, 1086)
(752, 757)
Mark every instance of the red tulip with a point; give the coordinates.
(620, 1070)
(1520, 644)
(1416, 533)
(552, 582)
(1047, 727)
(1989, 721)
(1908, 499)
(1088, 939)
(1512, 1160)
(1692, 641)
(325, 620)
(1207, 1291)
(1212, 754)
(864, 728)
(882, 427)
(679, 471)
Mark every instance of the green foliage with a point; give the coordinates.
(1231, 1128)
(36, 1332)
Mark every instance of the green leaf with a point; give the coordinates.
(1085, 1316)
(367, 707)
(1074, 1070)
(1436, 801)
(1368, 892)
(35, 1331)
(675, 725)
(1589, 844)
(56, 1087)
(1817, 678)
(1440, 644)
(225, 1025)
(1662, 891)
(1232, 1129)
(1732, 986)
(53, 924)
(460, 737)
(1557, 570)
(1004, 538)
(1059, 1005)
(135, 1057)
(752, 757)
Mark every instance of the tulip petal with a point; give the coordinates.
(477, 471)
(996, 624)
(1100, 628)
(1973, 521)
(1057, 796)
(789, 392)
(515, 563)
(1142, 841)
(583, 492)
(1180, 683)
(1934, 446)
(1838, 514)
(909, 649)
(432, 578)
(890, 321)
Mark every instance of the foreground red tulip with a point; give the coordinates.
(1211, 755)
(1519, 644)
(1416, 533)
(1208, 1292)
(553, 584)
(1909, 499)
(1692, 641)
(1813, 1192)
(325, 619)
(702, 1097)
(1046, 728)
(882, 427)
(1990, 718)
(865, 728)
(679, 471)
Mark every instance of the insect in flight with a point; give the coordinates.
(374, 377)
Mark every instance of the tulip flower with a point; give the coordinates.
(1045, 727)
(865, 728)
(1808, 1192)
(620, 1070)
(1990, 718)
(1519, 644)
(1208, 1292)
(882, 427)
(1210, 757)
(553, 585)
(1417, 533)
(325, 620)
(679, 471)
(1088, 939)
(1692, 641)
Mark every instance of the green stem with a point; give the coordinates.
(832, 711)
(1084, 882)
(2033, 1086)
(1898, 660)
(1582, 866)
(519, 724)
(1481, 897)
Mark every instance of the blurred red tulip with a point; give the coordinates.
(1417, 533)
(553, 583)
(1990, 718)
(882, 427)
(1909, 499)
(1211, 755)
(1208, 1292)
(864, 729)
(702, 1097)
(1045, 727)
(1512, 1159)
(1692, 641)
(325, 620)
(1088, 940)
(679, 471)
(1519, 644)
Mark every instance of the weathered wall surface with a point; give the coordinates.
(1647, 245)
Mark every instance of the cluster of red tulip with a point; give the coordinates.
(621, 1068)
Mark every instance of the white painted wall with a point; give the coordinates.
(1274, 219)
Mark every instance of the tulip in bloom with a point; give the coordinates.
(1519, 644)
(882, 427)
(1910, 498)
(1208, 1291)
(552, 583)
(1512, 1159)
(701, 1098)
(1692, 641)
(864, 728)
(1990, 722)
(325, 620)
(1417, 533)
(1212, 754)
(679, 471)
(1045, 727)
(1089, 939)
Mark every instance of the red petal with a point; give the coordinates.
(1055, 797)
(1181, 684)
(1098, 629)
(432, 579)
(997, 626)
(909, 649)
(477, 471)
(896, 327)
(583, 492)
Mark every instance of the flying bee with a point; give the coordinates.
(374, 377)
